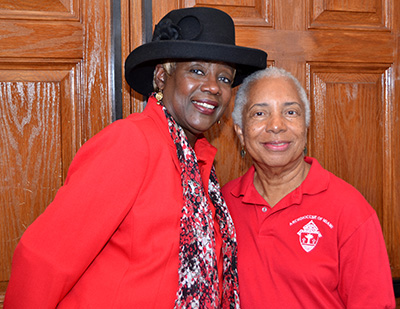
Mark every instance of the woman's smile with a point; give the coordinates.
(205, 106)
(277, 146)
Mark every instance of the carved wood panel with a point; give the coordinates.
(338, 14)
(245, 12)
(351, 106)
(45, 9)
(55, 93)
(32, 150)
(39, 137)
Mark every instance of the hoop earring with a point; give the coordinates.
(159, 96)
(243, 152)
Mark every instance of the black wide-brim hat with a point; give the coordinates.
(197, 33)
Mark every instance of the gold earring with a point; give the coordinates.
(243, 152)
(159, 96)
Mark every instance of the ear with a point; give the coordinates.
(239, 133)
(160, 76)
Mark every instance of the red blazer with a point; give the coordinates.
(110, 238)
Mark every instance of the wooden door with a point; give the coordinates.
(346, 54)
(55, 93)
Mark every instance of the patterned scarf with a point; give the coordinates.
(198, 275)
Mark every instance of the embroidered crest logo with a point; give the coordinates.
(308, 236)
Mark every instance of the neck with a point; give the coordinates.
(274, 183)
(191, 138)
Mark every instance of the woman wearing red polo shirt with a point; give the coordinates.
(306, 239)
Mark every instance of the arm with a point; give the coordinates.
(100, 189)
(365, 276)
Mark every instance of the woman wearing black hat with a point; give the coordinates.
(140, 221)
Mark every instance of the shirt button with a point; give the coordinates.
(264, 209)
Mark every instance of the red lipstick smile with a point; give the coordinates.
(205, 106)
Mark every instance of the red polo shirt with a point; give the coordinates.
(321, 246)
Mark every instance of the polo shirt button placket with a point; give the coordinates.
(264, 209)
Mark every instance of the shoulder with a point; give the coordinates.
(230, 185)
(135, 131)
(335, 198)
(347, 194)
(348, 206)
(129, 128)
(236, 186)
(129, 143)
(240, 189)
(355, 207)
(331, 187)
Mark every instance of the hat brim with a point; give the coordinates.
(141, 62)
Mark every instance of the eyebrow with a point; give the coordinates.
(258, 104)
(267, 104)
(292, 103)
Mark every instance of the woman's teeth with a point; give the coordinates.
(209, 106)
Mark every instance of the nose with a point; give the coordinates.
(211, 85)
(276, 124)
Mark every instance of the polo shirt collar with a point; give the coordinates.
(316, 181)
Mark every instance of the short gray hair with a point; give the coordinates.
(242, 94)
